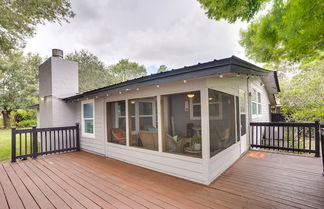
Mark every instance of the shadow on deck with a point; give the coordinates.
(83, 180)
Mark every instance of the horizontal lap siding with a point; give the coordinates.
(95, 145)
(265, 109)
(223, 160)
(188, 169)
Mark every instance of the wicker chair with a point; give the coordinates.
(149, 139)
(179, 145)
(119, 139)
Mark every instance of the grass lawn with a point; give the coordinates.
(5, 144)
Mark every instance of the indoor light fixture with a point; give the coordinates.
(191, 95)
(158, 86)
(137, 89)
(184, 81)
(210, 98)
(221, 76)
(132, 102)
(120, 92)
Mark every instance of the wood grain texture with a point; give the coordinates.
(84, 180)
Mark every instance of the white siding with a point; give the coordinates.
(203, 170)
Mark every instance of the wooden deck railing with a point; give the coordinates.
(294, 137)
(42, 141)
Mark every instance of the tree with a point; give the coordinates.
(290, 30)
(162, 68)
(19, 18)
(232, 10)
(92, 72)
(126, 70)
(18, 82)
(302, 96)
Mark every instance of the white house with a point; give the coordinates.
(190, 122)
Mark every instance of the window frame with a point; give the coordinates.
(84, 134)
(220, 107)
(257, 102)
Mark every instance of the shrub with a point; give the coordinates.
(26, 123)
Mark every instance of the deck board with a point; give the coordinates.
(84, 180)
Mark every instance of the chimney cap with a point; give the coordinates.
(57, 53)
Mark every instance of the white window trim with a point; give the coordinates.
(88, 135)
(137, 116)
(256, 102)
(219, 102)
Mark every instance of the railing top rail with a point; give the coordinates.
(282, 124)
(56, 128)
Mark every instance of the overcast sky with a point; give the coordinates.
(154, 32)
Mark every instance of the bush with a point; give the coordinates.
(22, 114)
(26, 123)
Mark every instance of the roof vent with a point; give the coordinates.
(57, 53)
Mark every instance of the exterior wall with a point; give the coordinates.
(57, 78)
(182, 166)
(203, 170)
(221, 161)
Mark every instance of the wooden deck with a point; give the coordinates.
(83, 180)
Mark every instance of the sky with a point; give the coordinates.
(175, 33)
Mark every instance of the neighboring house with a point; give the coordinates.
(190, 122)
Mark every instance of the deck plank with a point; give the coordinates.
(27, 199)
(84, 180)
(9, 190)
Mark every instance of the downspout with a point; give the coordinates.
(249, 115)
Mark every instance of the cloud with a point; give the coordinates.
(174, 33)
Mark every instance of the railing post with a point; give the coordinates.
(13, 144)
(77, 136)
(322, 140)
(317, 138)
(34, 141)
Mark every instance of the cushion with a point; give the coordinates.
(119, 135)
(153, 129)
(175, 138)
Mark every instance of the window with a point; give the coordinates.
(116, 122)
(221, 129)
(143, 123)
(88, 118)
(256, 102)
(181, 124)
(242, 104)
(194, 102)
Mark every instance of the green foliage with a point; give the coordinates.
(24, 114)
(92, 72)
(26, 123)
(19, 18)
(302, 96)
(292, 31)
(19, 82)
(126, 70)
(162, 68)
(232, 10)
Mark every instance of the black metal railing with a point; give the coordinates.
(43, 141)
(293, 137)
(322, 140)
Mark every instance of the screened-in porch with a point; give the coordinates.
(173, 123)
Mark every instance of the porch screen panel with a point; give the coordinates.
(221, 121)
(116, 122)
(143, 123)
(181, 124)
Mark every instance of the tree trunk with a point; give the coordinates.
(6, 118)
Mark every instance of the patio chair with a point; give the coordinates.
(149, 139)
(177, 146)
(119, 135)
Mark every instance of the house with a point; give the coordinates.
(190, 122)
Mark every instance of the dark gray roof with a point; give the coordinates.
(34, 106)
(228, 65)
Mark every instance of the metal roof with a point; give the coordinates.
(228, 65)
